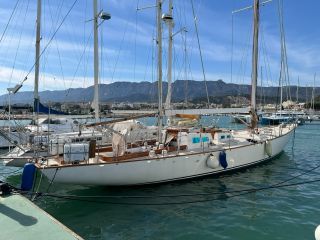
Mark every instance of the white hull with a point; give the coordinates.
(165, 169)
(312, 122)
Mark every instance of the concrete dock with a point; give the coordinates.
(22, 219)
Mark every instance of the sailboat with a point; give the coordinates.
(45, 132)
(178, 152)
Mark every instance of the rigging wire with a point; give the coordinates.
(29, 53)
(185, 69)
(49, 42)
(84, 43)
(79, 62)
(44, 61)
(153, 69)
(185, 57)
(101, 72)
(135, 42)
(199, 46)
(18, 47)
(7, 25)
(148, 60)
(244, 62)
(15, 24)
(185, 61)
(119, 51)
(56, 42)
(178, 21)
(266, 59)
(284, 62)
(232, 43)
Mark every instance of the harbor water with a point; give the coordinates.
(215, 208)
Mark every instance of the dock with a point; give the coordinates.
(22, 219)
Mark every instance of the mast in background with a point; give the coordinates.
(312, 97)
(297, 93)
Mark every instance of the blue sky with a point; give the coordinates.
(128, 52)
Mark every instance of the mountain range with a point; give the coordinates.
(147, 92)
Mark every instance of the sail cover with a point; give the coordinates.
(40, 108)
(119, 145)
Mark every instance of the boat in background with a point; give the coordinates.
(283, 117)
(243, 119)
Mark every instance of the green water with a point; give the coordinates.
(284, 213)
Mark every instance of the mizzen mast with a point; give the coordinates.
(159, 42)
(254, 74)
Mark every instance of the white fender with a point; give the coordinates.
(268, 148)
(317, 233)
(213, 161)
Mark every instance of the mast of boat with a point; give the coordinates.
(36, 100)
(281, 91)
(306, 100)
(297, 93)
(169, 20)
(313, 88)
(159, 42)
(284, 72)
(254, 75)
(37, 65)
(96, 61)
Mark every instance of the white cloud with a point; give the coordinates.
(47, 81)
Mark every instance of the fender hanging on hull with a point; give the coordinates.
(212, 161)
(223, 159)
(28, 176)
(268, 148)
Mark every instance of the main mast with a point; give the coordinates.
(96, 61)
(254, 76)
(159, 42)
(37, 65)
(169, 19)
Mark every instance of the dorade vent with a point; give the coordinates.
(105, 16)
(167, 17)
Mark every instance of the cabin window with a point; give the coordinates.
(228, 136)
(51, 121)
(195, 140)
(205, 139)
(223, 137)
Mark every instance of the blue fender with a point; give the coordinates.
(223, 159)
(27, 178)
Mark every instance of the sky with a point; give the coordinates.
(127, 42)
